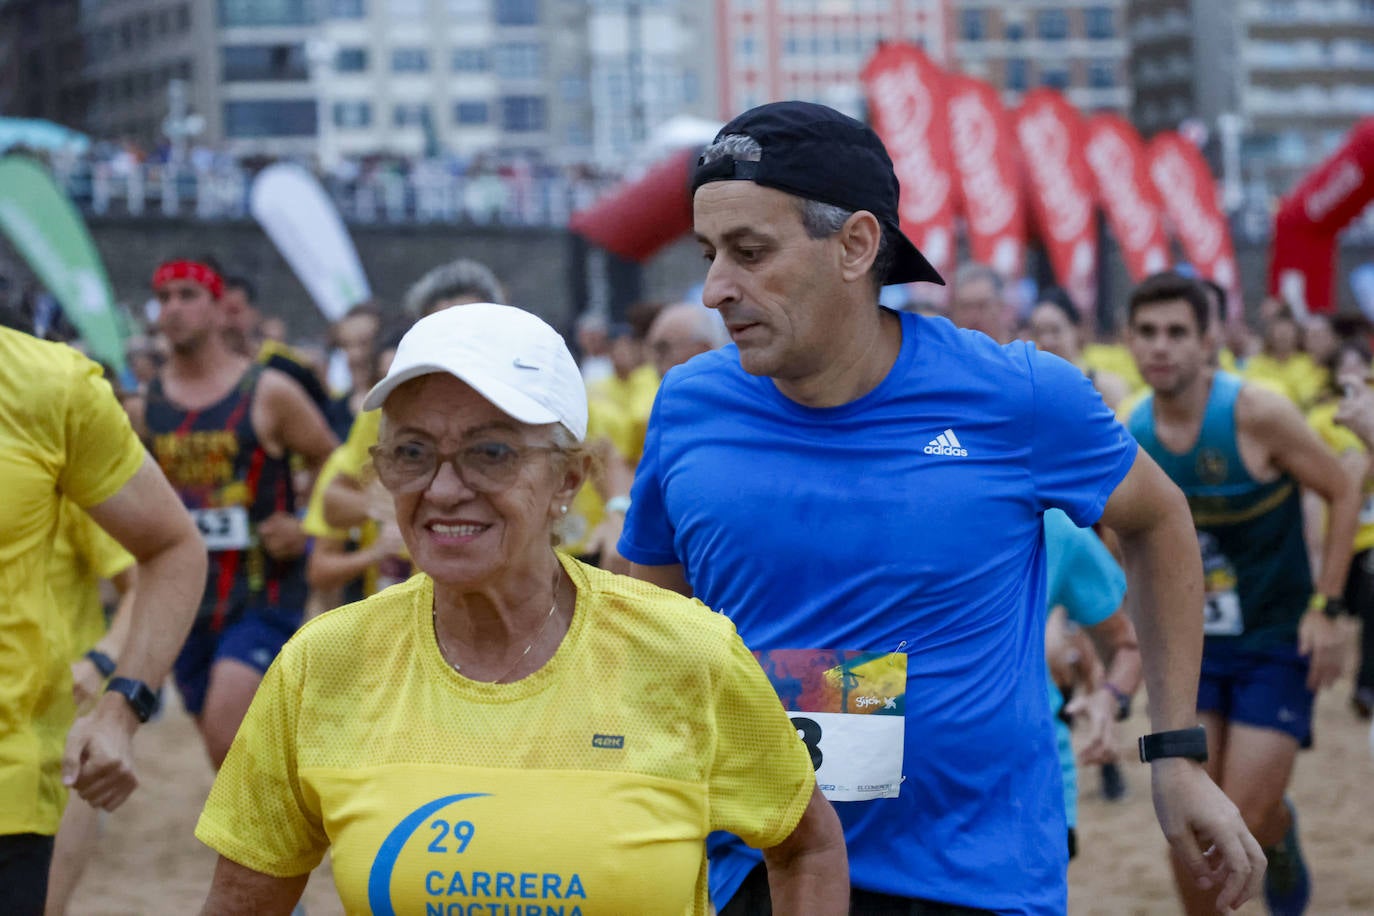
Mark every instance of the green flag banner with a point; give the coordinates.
(47, 231)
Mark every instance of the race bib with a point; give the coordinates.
(224, 528)
(849, 708)
(1367, 510)
(1221, 614)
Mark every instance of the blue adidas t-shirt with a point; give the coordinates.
(908, 520)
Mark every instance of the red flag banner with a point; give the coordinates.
(1302, 265)
(1062, 192)
(1189, 194)
(906, 103)
(989, 181)
(637, 218)
(1116, 155)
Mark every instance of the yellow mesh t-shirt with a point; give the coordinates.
(62, 433)
(82, 555)
(1340, 440)
(588, 787)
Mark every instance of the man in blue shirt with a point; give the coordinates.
(862, 492)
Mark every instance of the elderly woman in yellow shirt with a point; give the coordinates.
(509, 727)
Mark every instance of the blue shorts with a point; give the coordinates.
(1264, 688)
(252, 638)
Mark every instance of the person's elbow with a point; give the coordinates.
(809, 871)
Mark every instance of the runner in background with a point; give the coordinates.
(222, 426)
(1056, 326)
(355, 335)
(1241, 454)
(1349, 368)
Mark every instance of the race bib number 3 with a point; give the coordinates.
(849, 708)
(223, 528)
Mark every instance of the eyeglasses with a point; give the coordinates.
(410, 466)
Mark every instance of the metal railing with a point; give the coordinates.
(427, 194)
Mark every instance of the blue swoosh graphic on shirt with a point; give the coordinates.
(379, 878)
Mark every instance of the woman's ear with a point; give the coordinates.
(576, 468)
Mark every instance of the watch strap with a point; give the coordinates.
(1184, 742)
(103, 663)
(139, 696)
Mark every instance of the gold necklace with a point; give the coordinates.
(438, 637)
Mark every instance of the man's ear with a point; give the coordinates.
(860, 237)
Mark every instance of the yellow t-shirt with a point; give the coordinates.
(1113, 358)
(634, 397)
(604, 420)
(589, 785)
(62, 433)
(362, 435)
(1340, 440)
(82, 555)
(1301, 379)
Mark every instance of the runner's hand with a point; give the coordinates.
(99, 761)
(87, 682)
(1206, 832)
(1096, 712)
(1321, 642)
(282, 536)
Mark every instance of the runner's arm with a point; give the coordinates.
(296, 424)
(345, 503)
(1164, 593)
(670, 577)
(1299, 451)
(808, 872)
(237, 889)
(148, 519)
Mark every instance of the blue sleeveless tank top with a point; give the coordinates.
(1254, 557)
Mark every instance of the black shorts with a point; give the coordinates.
(753, 899)
(24, 862)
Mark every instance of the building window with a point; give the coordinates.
(347, 9)
(264, 62)
(572, 89)
(466, 8)
(409, 60)
(972, 25)
(1016, 74)
(471, 113)
(524, 113)
(266, 12)
(1052, 25)
(351, 60)
(411, 114)
(352, 115)
(1014, 31)
(519, 60)
(1102, 74)
(277, 118)
(184, 18)
(471, 60)
(1055, 76)
(517, 12)
(1099, 22)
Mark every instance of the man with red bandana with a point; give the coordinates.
(221, 426)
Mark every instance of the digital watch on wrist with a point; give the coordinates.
(1333, 608)
(139, 696)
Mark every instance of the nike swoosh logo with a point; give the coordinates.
(521, 364)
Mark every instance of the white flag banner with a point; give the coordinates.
(302, 222)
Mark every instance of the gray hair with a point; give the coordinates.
(706, 324)
(820, 220)
(973, 271)
(461, 278)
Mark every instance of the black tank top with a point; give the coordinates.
(214, 461)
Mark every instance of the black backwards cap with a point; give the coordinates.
(816, 153)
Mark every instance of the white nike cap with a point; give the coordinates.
(507, 355)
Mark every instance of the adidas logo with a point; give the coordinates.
(946, 444)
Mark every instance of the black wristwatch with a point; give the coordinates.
(1335, 608)
(140, 697)
(1184, 742)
